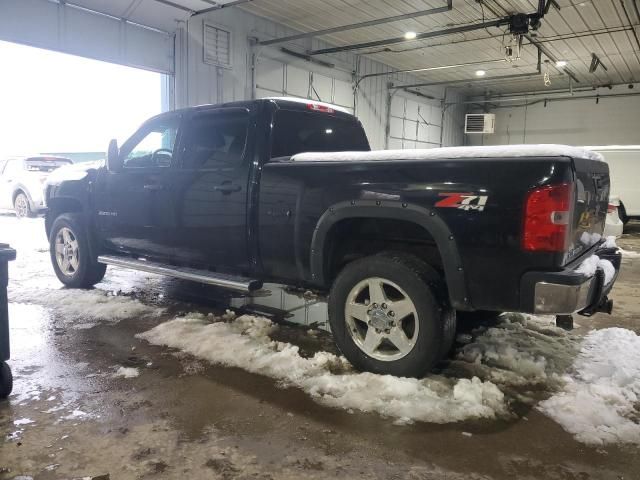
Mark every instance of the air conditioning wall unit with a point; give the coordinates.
(480, 123)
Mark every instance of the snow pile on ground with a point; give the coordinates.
(522, 350)
(245, 343)
(629, 253)
(600, 402)
(32, 281)
(127, 372)
(73, 304)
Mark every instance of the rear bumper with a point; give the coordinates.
(569, 291)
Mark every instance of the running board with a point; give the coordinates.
(230, 282)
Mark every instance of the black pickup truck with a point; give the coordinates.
(400, 240)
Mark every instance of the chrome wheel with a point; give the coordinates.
(381, 318)
(21, 205)
(67, 254)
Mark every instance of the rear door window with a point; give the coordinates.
(296, 132)
(215, 139)
(13, 168)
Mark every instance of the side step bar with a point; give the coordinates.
(230, 282)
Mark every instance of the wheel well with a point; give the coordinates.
(57, 207)
(354, 238)
(18, 192)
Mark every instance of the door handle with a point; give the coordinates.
(227, 188)
(154, 187)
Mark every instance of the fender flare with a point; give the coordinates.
(426, 218)
(19, 187)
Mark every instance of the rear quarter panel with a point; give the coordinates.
(294, 196)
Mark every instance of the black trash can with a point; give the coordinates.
(6, 379)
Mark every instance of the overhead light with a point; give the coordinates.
(480, 73)
(410, 35)
(328, 131)
(561, 63)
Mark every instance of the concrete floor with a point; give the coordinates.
(70, 417)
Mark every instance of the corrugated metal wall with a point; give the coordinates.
(276, 73)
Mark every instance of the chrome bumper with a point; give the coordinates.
(567, 291)
(554, 298)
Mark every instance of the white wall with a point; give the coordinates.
(198, 82)
(610, 121)
(63, 28)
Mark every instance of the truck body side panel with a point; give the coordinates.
(486, 229)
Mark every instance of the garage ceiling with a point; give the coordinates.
(572, 31)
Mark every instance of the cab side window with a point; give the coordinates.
(215, 139)
(152, 145)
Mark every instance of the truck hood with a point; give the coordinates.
(77, 171)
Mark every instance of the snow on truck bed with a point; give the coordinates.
(453, 153)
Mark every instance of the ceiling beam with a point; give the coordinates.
(220, 6)
(421, 36)
(353, 26)
(174, 5)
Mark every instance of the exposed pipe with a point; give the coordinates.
(421, 36)
(353, 26)
(427, 69)
(220, 6)
(548, 99)
(474, 80)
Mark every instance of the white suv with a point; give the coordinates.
(22, 182)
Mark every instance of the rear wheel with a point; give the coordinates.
(6, 380)
(389, 315)
(70, 253)
(622, 213)
(21, 206)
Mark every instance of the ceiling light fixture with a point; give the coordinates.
(480, 73)
(561, 63)
(410, 35)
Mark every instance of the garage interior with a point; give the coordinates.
(92, 399)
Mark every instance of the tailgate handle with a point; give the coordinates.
(154, 187)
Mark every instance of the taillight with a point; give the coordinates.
(612, 208)
(320, 108)
(546, 218)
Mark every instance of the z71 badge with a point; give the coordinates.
(463, 201)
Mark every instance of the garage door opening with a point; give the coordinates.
(55, 103)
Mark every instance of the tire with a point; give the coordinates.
(81, 269)
(622, 213)
(6, 380)
(423, 336)
(21, 206)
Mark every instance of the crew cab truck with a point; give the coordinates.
(288, 191)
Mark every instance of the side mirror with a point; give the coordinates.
(114, 163)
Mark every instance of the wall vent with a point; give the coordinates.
(217, 46)
(480, 123)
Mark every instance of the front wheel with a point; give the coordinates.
(389, 315)
(21, 206)
(70, 253)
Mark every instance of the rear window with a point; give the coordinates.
(297, 132)
(46, 164)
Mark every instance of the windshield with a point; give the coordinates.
(45, 165)
(297, 132)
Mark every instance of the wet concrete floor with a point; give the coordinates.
(72, 416)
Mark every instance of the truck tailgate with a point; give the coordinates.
(591, 201)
